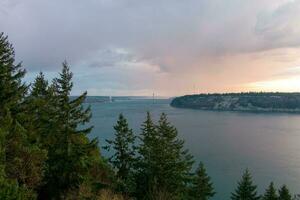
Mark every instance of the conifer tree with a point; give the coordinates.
(40, 86)
(38, 110)
(202, 187)
(146, 161)
(246, 190)
(69, 153)
(270, 193)
(23, 158)
(10, 190)
(122, 159)
(12, 90)
(165, 163)
(43, 110)
(174, 163)
(149, 137)
(284, 193)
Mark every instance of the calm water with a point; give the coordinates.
(227, 142)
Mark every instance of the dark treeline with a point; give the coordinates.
(45, 153)
(260, 101)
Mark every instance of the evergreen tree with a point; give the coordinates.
(146, 160)
(202, 187)
(284, 193)
(10, 190)
(40, 86)
(165, 163)
(42, 110)
(70, 151)
(124, 151)
(38, 110)
(246, 190)
(12, 90)
(174, 162)
(23, 159)
(270, 193)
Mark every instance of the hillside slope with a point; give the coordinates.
(268, 102)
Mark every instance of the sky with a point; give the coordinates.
(169, 47)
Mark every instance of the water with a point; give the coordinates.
(268, 144)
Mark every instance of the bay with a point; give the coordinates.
(268, 144)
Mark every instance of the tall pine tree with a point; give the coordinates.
(202, 187)
(271, 193)
(246, 190)
(123, 156)
(38, 109)
(69, 153)
(165, 163)
(284, 193)
(174, 161)
(23, 158)
(147, 158)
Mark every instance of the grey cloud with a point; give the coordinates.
(280, 27)
(173, 35)
(109, 57)
(47, 32)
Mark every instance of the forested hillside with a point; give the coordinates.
(268, 102)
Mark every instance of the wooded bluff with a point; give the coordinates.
(252, 101)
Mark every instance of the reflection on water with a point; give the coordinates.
(227, 142)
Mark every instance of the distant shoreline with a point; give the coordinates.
(242, 102)
(106, 99)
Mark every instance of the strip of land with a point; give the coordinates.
(252, 102)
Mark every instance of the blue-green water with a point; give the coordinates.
(227, 142)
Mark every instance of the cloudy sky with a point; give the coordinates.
(171, 47)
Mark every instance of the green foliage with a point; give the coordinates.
(174, 161)
(22, 158)
(202, 187)
(164, 165)
(10, 190)
(40, 110)
(253, 101)
(40, 86)
(147, 158)
(69, 153)
(43, 147)
(284, 193)
(12, 90)
(122, 159)
(246, 190)
(270, 193)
